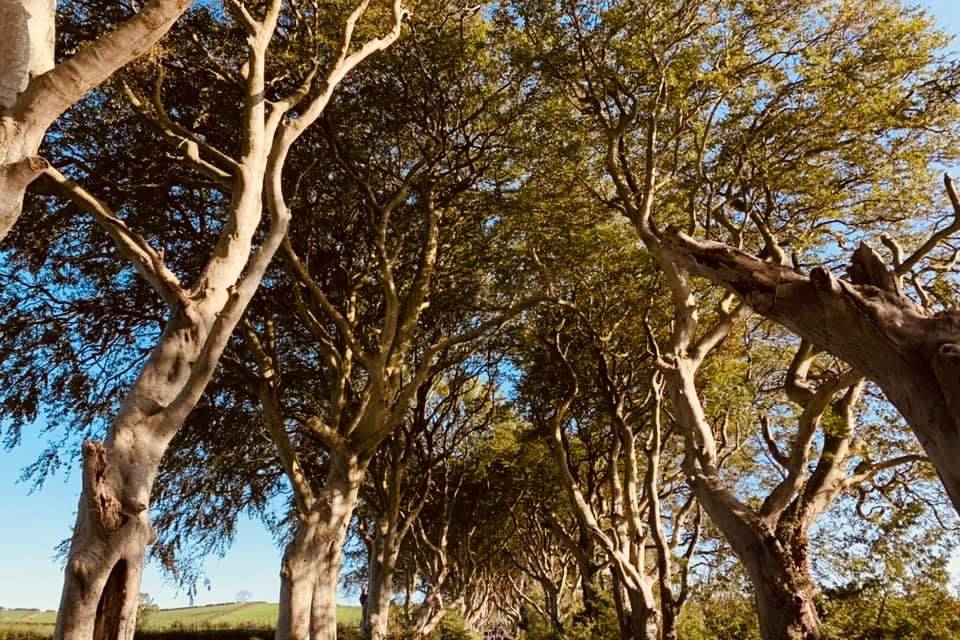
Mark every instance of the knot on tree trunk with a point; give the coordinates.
(866, 267)
(95, 465)
(14, 178)
(823, 280)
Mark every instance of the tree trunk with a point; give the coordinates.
(298, 580)
(785, 598)
(311, 570)
(323, 615)
(102, 582)
(668, 626)
(429, 617)
(26, 47)
(379, 582)
(781, 581)
(621, 602)
(644, 623)
(591, 598)
(102, 578)
(913, 356)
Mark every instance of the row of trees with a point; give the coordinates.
(468, 350)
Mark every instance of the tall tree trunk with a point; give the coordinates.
(323, 615)
(591, 597)
(621, 601)
(102, 582)
(102, 577)
(783, 590)
(782, 586)
(379, 582)
(785, 596)
(298, 581)
(335, 505)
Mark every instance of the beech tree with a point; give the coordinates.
(568, 167)
(739, 150)
(606, 433)
(905, 344)
(34, 91)
(451, 410)
(113, 530)
(457, 556)
(381, 290)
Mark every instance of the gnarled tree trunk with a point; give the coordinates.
(102, 578)
(429, 616)
(105, 560)
(311, 563)
(911, 354)
(783, 589)
(784, 593)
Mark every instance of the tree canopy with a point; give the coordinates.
(577, 319)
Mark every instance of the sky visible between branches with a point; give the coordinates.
(34, 524)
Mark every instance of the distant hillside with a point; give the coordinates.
(227, 616)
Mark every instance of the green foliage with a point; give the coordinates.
(875, 611)
(727, 616)
(217, 621)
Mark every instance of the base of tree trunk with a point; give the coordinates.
(101, 588)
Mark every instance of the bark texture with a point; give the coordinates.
(311, 562)
(912, 355)
(105, 559)
(27, 46)
(34, 92)
(383, 560)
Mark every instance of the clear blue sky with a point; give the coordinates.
(34, 524)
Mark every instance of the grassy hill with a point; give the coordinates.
(224, 616)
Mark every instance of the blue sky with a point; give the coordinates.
(34, 524)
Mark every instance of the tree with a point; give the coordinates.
(727, 135)
(113, 529)
(867, 320)
(452, 409)
(382, 289)
(587, 390)
(34, 92)
(145, 608)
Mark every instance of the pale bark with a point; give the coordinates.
(396, 507)
(341, 493)
(380, 571)
(782, 588)
(429, 617)
(27, 46)
(311, 563)
(34, 92)
(634, 502)
(298, 581)
(112, 527)
(377, 620)
(910, 353)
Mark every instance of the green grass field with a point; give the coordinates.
(224, 616)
